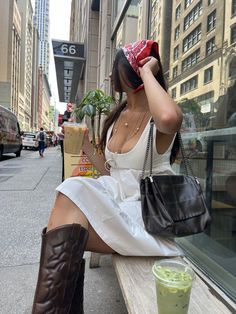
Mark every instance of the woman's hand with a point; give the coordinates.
(86, 142)
(148, 64)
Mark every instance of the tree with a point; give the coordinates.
(191, 106)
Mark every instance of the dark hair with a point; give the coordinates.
(41, 129)
(134, 81)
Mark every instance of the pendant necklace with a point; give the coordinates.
(134, 131)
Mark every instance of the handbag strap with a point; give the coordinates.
(149, 147)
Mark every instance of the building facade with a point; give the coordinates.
(196, 52)
(10, 52)
(197, 42)
(26, 11)
(34, 93)
(40, 96)
(46, 95)
(41, 22)
(160, 21)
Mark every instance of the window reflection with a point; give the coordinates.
(198, 53)
(197, 45)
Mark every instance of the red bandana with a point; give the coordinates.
(137, 51)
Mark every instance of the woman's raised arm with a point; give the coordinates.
(166, 113)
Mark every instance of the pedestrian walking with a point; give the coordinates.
(41, 138)
(104, 215)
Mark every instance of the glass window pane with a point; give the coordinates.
(199, 57)
(118, 5)
(130, 29)
(205, 91)
(233, 11)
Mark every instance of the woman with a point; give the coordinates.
(104, 215)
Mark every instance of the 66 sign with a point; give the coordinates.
(67, 48)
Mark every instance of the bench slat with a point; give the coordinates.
(140, 294)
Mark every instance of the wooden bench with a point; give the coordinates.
(138, 287)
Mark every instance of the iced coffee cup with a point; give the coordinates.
(174, 280)
(73, 137)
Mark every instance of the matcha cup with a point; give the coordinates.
(173, 280)
(73, 137)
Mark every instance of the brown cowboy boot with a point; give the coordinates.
(61, 256)
(77, 305)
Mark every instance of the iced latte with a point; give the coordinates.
(173, 286)
(73, 139)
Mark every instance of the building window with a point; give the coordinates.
(191, 60)
(211, 21)
(176, 52)
(177, 32)
(175, 72)
(208, 75)
(210, 46)
(210, 2)
(187, 3)
(193, 15)
(233, 35)
(233, 7)
(232, 68)
(173, 92)
(192, 38)
(178, 12)
(189, 85)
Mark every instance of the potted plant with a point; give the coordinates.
(94, 104)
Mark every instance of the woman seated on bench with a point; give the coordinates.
(104, 215)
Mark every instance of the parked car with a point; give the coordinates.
(10, 134)
(29, 141)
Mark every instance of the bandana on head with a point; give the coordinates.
(139, 50)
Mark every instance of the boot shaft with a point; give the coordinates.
(61, 255)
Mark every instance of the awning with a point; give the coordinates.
(69, 62)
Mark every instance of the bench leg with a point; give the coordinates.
(94, 260)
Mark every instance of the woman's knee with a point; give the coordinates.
(96, 244)
(66, 212)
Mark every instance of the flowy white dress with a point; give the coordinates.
(112, 203)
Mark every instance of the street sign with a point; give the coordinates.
(67, 48)
(69, 107)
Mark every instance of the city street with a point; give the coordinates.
(27, 194)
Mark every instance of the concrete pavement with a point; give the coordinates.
(27, 194)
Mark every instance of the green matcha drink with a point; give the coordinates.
(173, 286)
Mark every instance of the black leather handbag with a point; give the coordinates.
(172, 205)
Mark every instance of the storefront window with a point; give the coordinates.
(206, 93)
(197, 48)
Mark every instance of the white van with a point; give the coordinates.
(10, 135)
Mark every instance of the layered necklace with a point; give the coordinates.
(135, 130)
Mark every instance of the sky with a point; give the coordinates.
(59, 29)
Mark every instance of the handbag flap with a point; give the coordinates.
(181, 195)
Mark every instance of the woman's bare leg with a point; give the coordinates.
(66, 212)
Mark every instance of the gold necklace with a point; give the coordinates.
(134, 131)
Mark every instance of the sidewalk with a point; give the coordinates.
(27, 194)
